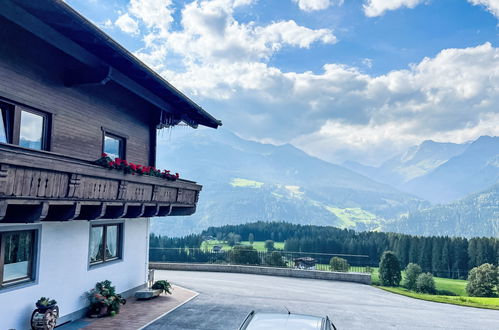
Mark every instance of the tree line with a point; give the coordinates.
(443, 256)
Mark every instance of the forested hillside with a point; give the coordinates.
(443, 256)
(475, 215)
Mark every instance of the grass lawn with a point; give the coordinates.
(490, 303)
(258, 245)
(456, 286)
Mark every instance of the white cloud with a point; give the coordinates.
(313, 5)
(127, 24)
(210, 34)
(339, 113)
(342, 113)
(491, 5)
(373, 8)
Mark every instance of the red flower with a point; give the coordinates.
(103, 154)
(118, 161)
(177, 175)
(111, 163)
(125, 162)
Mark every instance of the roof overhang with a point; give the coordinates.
(103, 58)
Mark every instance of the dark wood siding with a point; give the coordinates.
(31, 73)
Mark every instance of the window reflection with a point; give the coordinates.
(31, 131)
(18, 255)
(113, 147)
(3, 126)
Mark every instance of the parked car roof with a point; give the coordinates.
(285, 321)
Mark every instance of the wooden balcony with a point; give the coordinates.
(43, 186)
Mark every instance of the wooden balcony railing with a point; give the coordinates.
(38, 185)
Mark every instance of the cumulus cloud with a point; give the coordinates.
(338, 113)
(127, 24)
(491, 5)
(373, 8)
(210, 34)
(342, 113)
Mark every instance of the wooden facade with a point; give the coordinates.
(58, 64)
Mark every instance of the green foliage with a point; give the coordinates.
(412, 271)
(275, 259)
(251, 238)
(104, 294)
(44, 303)
(269, 245)
(446, 293)
(233, 239)
(482, 280)
(491, 303)
(243, 255)
(162, 285)
(389, 269)
(337, 264)
(425, 283)
(450, 257)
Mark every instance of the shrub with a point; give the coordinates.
(162, 285)
(425, 283)
(244, 255)
(337, 264)
(412, 271)
(275, 259)
(269, 245)
(482, 280)
(104, 294)
(389, 269)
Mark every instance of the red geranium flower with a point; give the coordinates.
(118, 161)
(103, 154)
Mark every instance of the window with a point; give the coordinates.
(5, 119)
(114, 146)
(105, 243)
(16, 256)
(27, 128)
(32, 130)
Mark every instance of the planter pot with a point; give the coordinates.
(103, 310)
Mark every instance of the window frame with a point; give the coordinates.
(45, 128)
(119, 243)
(122, 138)
(13, 123)
(31, 263)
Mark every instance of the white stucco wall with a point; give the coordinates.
(63, 273)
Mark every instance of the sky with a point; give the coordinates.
(342, 80)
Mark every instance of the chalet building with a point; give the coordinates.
(69, 93)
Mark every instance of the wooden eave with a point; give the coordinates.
(103, 59)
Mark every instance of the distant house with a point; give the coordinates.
(68, 93)
(216, 248)
(304, 263)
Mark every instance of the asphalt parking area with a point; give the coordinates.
(225, 299)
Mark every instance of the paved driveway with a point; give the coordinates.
(225, 299)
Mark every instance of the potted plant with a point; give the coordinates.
(104, 300)
(45, 315)
(45, 303)
(163, 286)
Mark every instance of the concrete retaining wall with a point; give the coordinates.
(272, 271)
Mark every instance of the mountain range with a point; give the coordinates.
(249, 181)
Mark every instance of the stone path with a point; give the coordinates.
(136, 314)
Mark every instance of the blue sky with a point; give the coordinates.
(360, 79)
